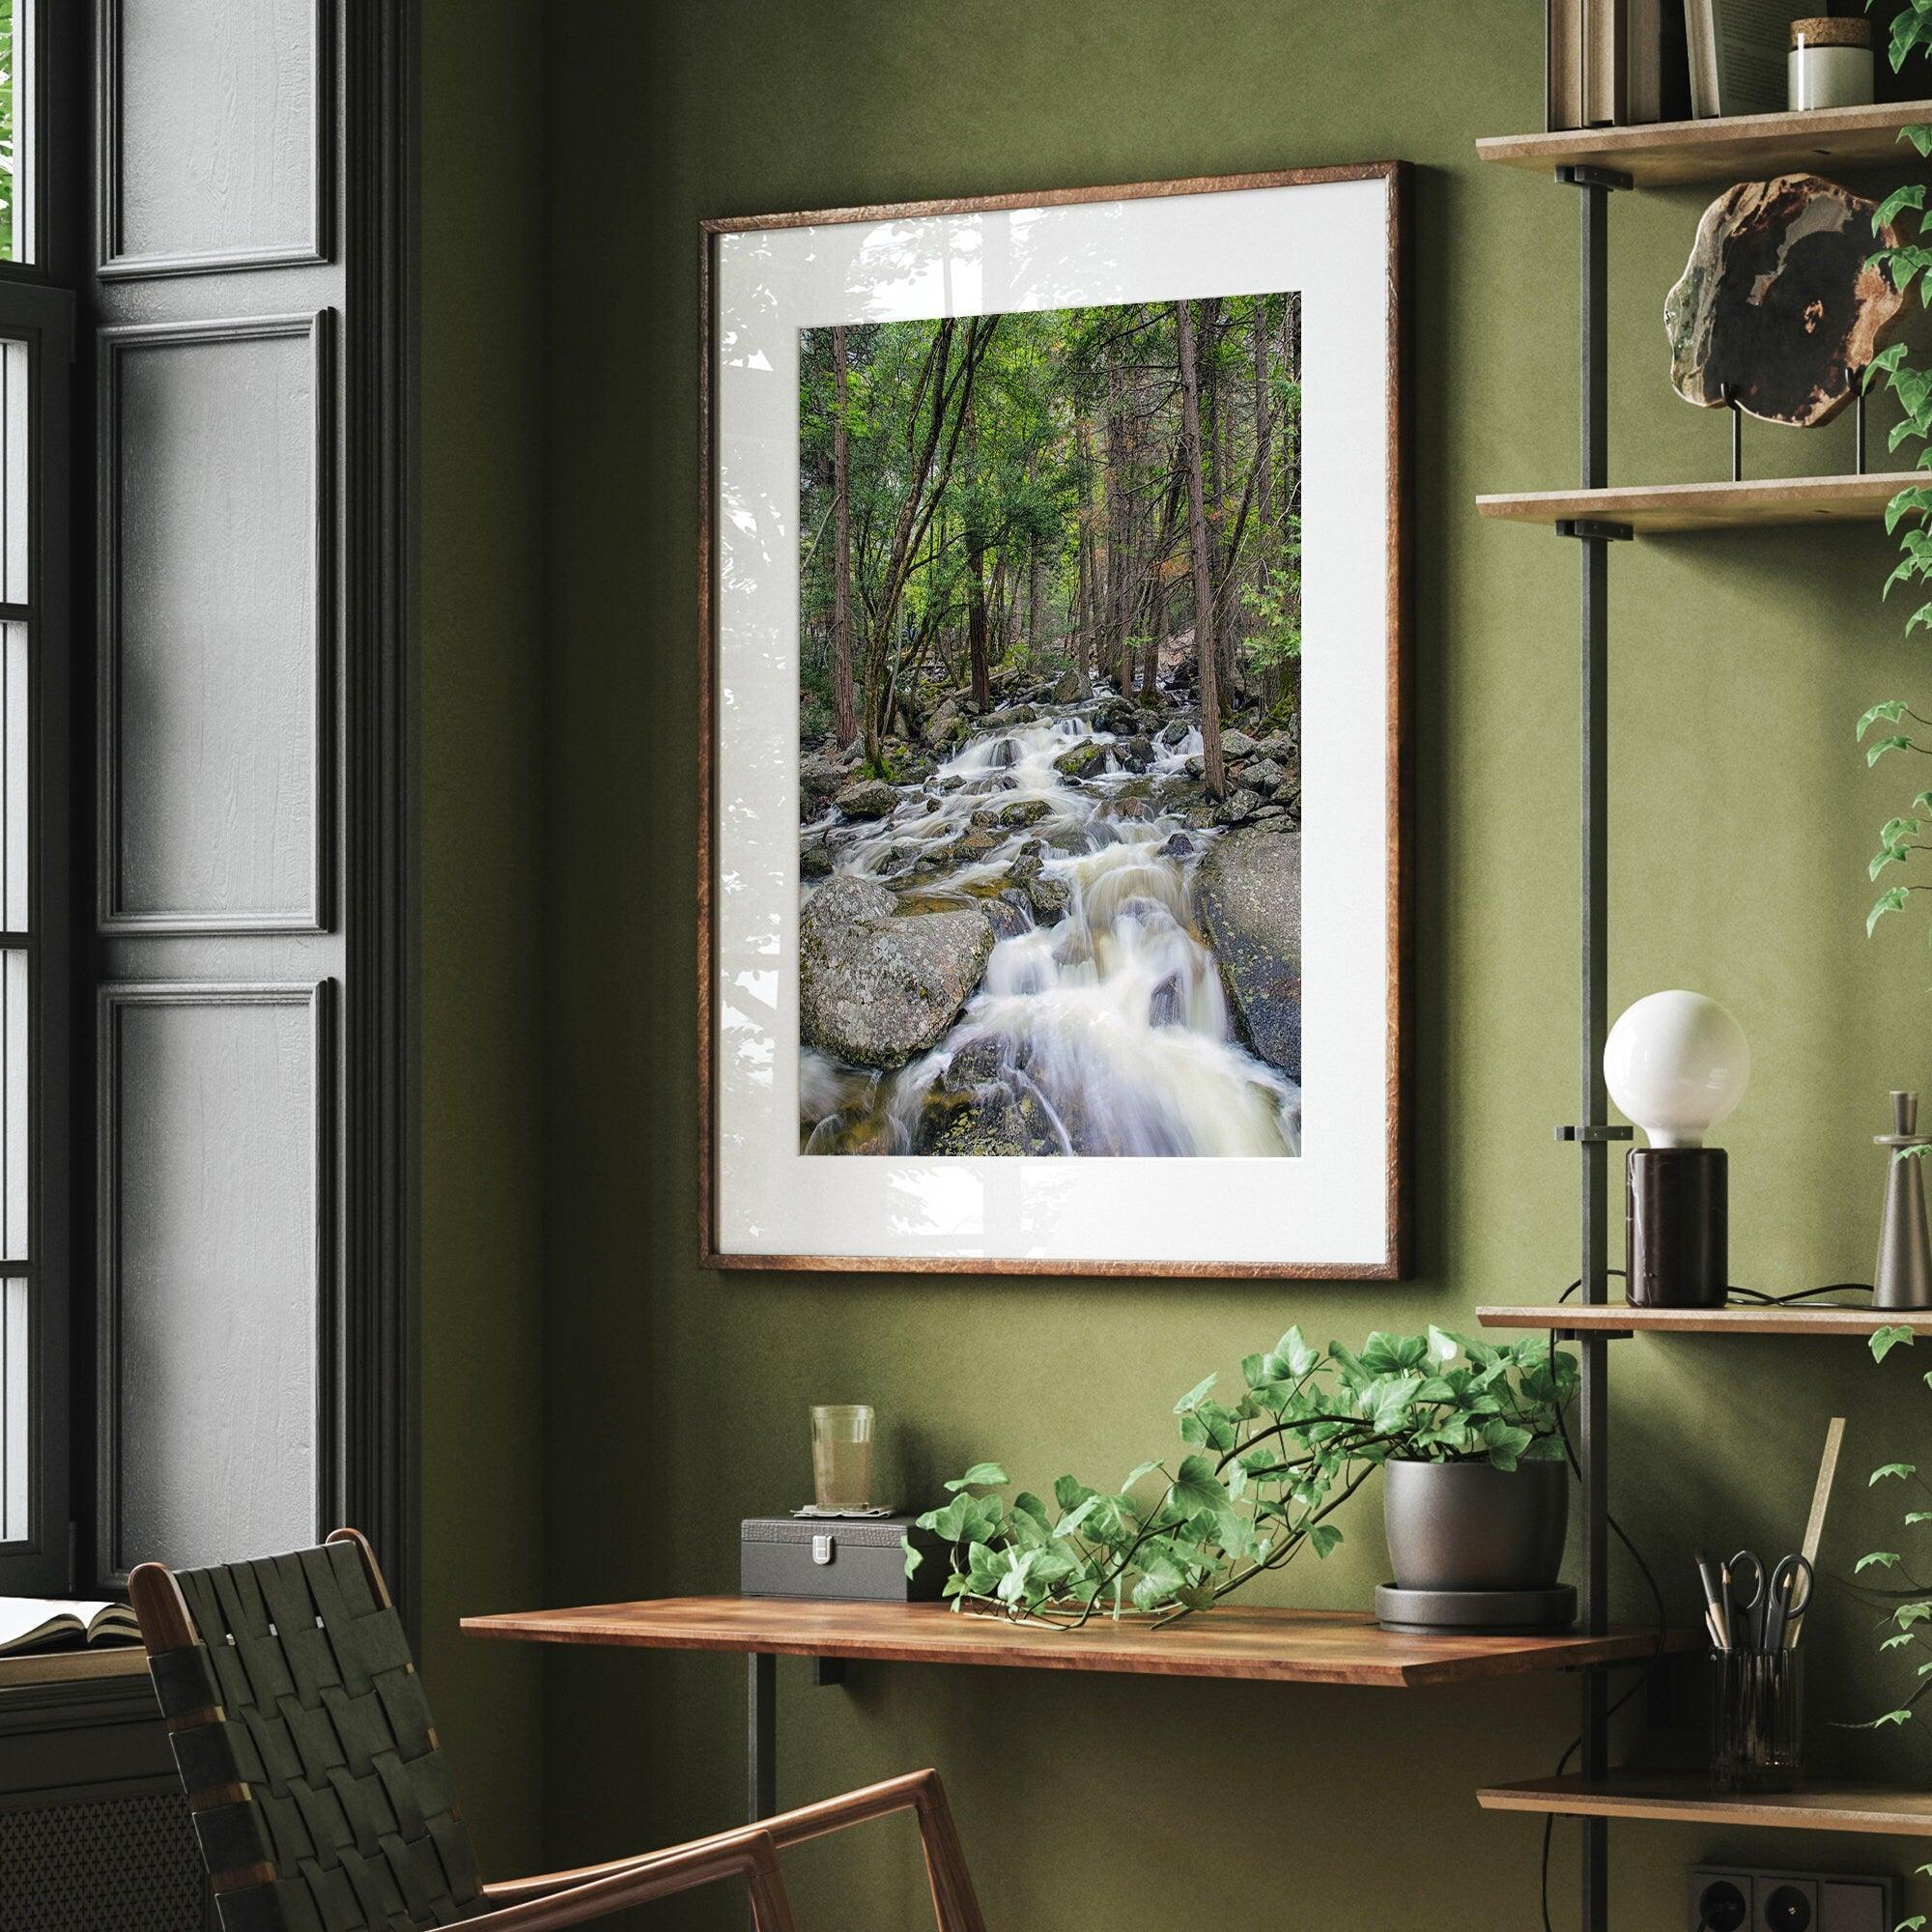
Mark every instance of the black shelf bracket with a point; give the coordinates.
(1604, 1133)
(1594, 529)
(1580, 174)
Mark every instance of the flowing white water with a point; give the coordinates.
(1110, 1022)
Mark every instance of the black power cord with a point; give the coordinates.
(1757, 1296)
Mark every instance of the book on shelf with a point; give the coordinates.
(1738, 50)
(47, 1624)
(1612, 62)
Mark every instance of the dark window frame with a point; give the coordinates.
(37, 304)
(374, 1475)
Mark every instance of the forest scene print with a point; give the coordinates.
(1050, 732)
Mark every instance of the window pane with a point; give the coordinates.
(16, 131)
(13, 777)
(13, 1116)
(12, 1412)
(15, 475)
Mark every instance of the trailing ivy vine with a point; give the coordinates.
(1258, 1478)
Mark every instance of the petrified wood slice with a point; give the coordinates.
(1776, 300)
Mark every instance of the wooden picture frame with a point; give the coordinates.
(1387, 1259)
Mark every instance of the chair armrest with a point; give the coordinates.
(921, 1792)
(750, 1852)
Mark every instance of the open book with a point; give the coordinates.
(46, 1623)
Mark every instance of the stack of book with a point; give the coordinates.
(1612, 61)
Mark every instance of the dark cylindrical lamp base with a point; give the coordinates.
(1676, 1227)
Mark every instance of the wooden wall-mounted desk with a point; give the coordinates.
(1266, 1645)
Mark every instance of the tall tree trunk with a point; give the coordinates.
(1036, 594)
(1120, 550)
(844, 705)
(1197, 543)
(1263, 470)
(1156, 631)
(930, 457)
(1083, 584)
(1223, 531)
(976, 577)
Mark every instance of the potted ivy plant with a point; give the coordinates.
(1471, 1431)
(1476, 1488)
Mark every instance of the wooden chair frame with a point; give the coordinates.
(553, 1899)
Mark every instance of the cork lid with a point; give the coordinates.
(1837, 32)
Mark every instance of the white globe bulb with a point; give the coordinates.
(1676, 1063)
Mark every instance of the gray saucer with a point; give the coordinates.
(1475, 1612)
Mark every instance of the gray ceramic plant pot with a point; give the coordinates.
(1472, 1526)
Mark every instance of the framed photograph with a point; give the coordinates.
(1051, 881)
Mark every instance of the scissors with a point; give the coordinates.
(1766, 1605)
(1744, 1594)
(1786, 1596)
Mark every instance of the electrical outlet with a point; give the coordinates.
(1732, 1898)
(1720, 1901)
(1785, 1903)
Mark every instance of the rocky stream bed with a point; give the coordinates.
(1042, 936)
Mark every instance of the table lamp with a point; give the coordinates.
(1676, 1063)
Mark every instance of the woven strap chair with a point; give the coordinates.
(322, 1800)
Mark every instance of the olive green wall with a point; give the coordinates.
(674, 1398)
(481, 962)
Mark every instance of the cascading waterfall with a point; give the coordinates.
(1108, 1026)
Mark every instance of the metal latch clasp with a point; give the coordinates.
(822, 1547)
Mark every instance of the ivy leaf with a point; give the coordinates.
(1884, 1339)
(913, 1557)
(1889, 901)
(1187, 1403)
(1069, 1492)
(1069, 1523)
(1899, 1469)
(1884, 1559)
(1196, 1487)
(1895, 203)
(981, 1475)
(1506, 1442)
(1322, 1538)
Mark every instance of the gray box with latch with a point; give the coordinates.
(857, 1557)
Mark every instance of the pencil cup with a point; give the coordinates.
(1757, 1713)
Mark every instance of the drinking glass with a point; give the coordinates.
(841, 1455)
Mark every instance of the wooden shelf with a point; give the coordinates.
(1654, 509)
(1670, 154)
(1619, 1318)
(62, 1666)
(1679, 1799)
(1272, 1646)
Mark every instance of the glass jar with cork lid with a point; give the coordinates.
(1829, 64)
